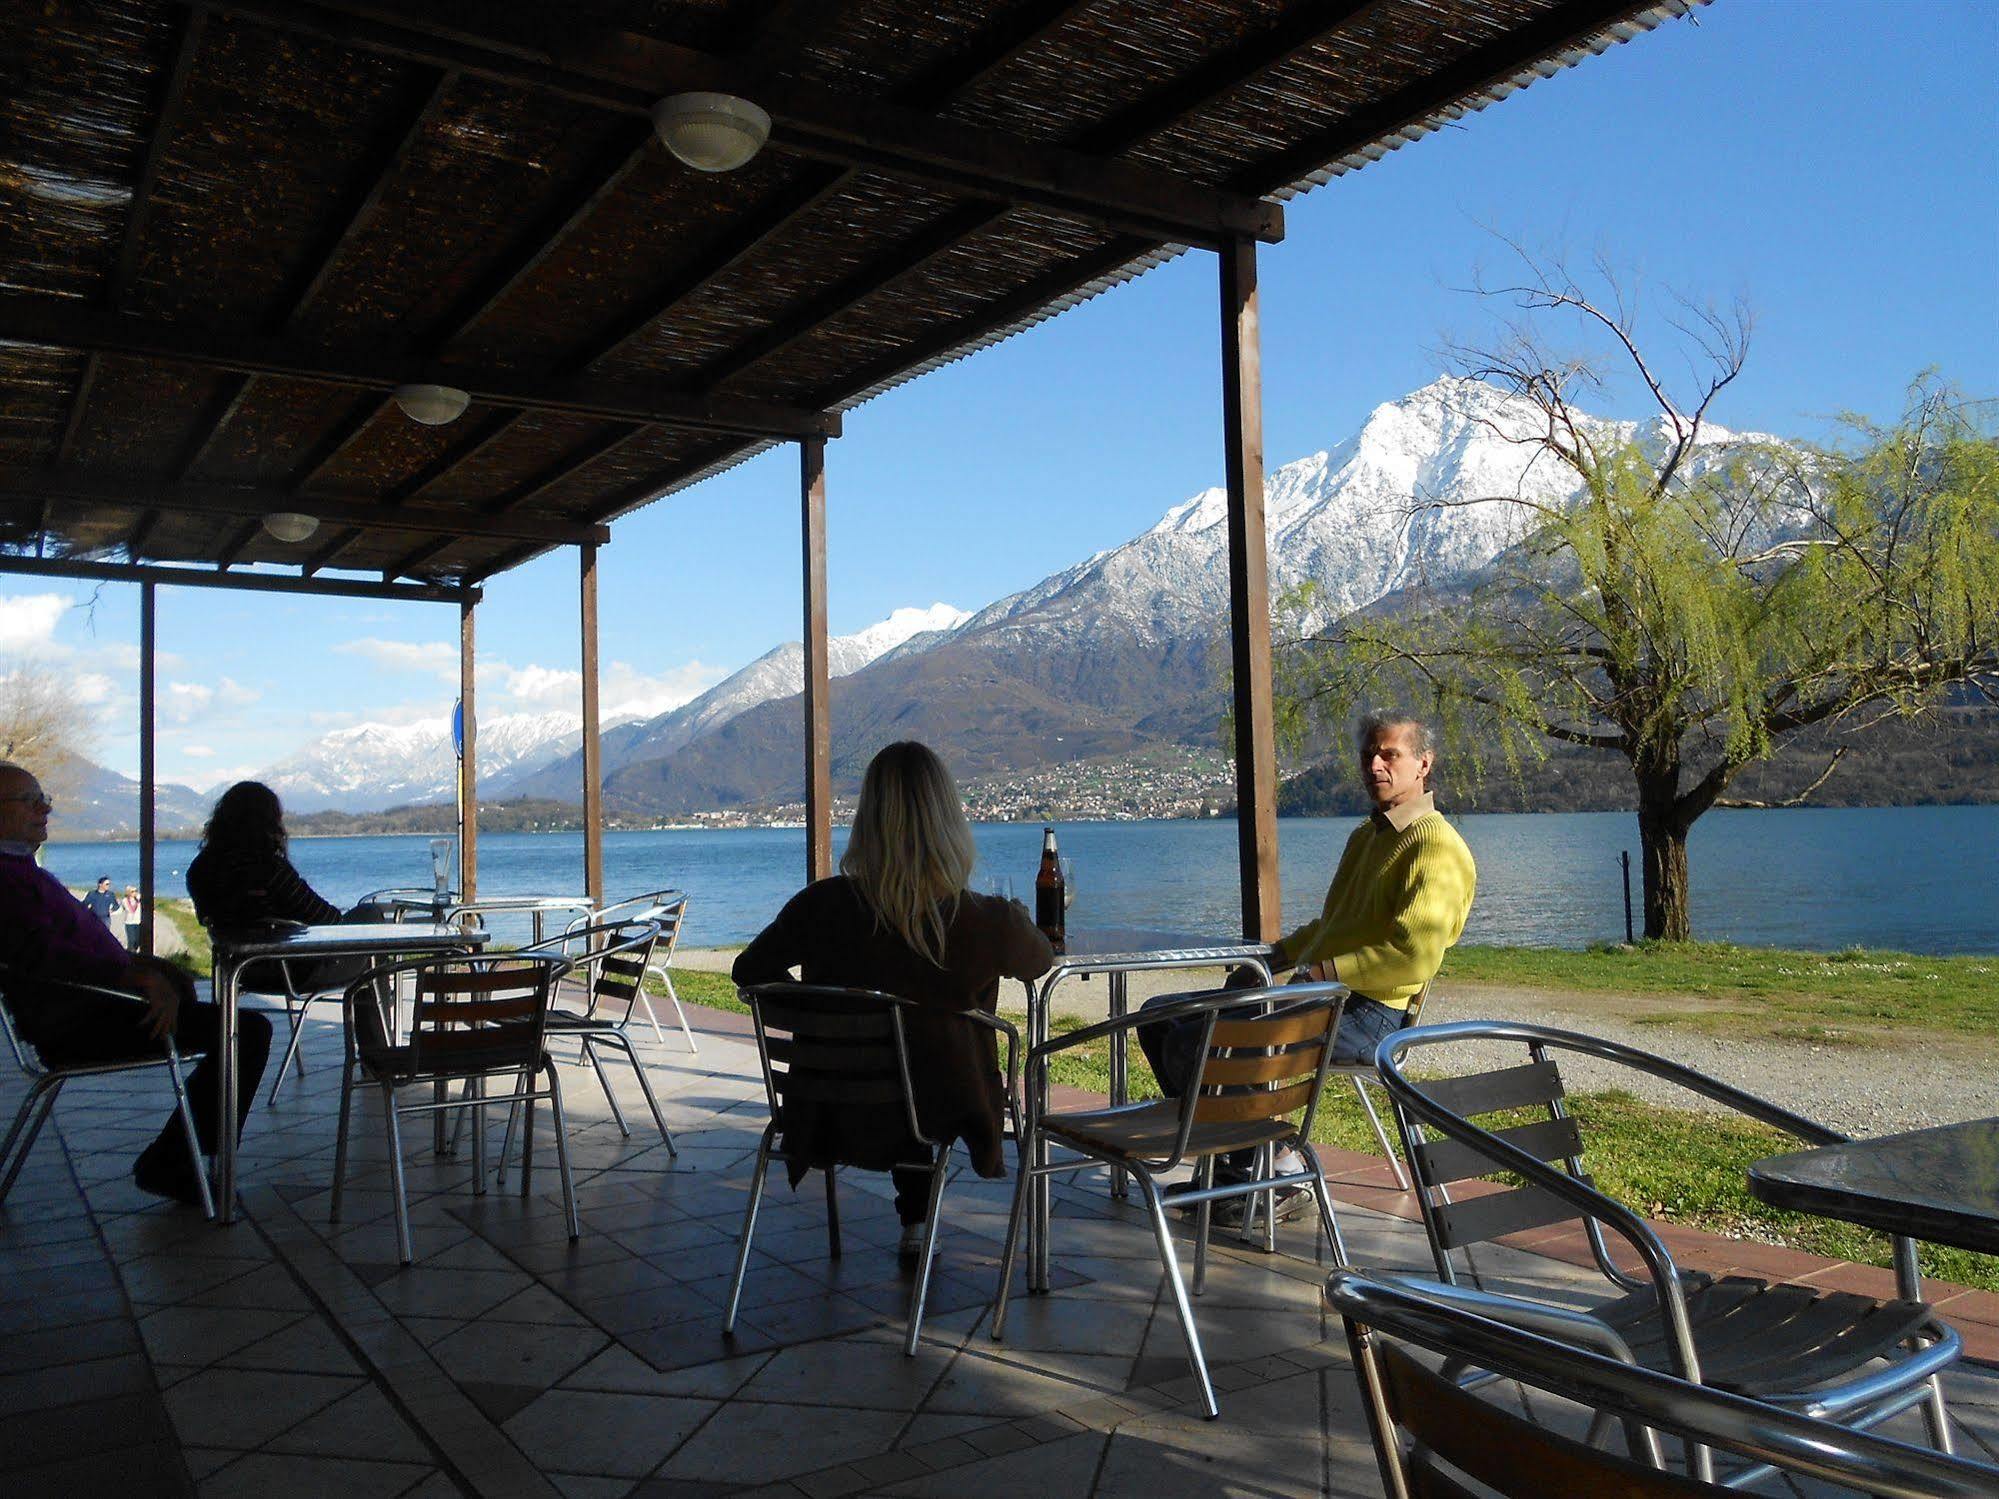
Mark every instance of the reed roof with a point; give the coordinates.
(227, 229)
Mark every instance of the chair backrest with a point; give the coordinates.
(614, 964)
(1264, 1067)
(1414, 1014)
(1430, 1434)
(467, 1015)
(839, 1047)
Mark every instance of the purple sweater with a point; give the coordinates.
(45, 931)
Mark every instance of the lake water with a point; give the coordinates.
(1923, 879)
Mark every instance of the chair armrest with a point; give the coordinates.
(1563, 1324)
(1184, 1007)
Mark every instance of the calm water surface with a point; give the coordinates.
(1923, 879)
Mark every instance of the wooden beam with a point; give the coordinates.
(412, 118)
(173, 92)
(818, 698)
(1548, 35)
(50, 323)
(238, 543)
(593, 753)
(528, 46)
(1249, 598)
(468, 757)
(204, 577)
(148, 764)
(96, 490)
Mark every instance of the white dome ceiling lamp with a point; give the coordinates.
(711, 132)
(432, 405)
(291, 526)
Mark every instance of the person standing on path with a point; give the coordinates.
(102, 903)
(135, 916)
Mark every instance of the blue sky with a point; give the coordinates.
(1833, 162)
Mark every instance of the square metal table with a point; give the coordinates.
(235, 951)
(1116, 953)
(1940, 1185)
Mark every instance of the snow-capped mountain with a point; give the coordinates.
(376, 765)
(778, 673)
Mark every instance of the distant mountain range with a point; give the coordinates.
(1122, 651)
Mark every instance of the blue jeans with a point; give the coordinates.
(1173, 1048)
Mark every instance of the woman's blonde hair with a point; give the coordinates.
(911, 851)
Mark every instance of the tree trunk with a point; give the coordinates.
(1662, 838)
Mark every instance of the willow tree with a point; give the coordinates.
(1691, 598)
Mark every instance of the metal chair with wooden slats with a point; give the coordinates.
(1826, 1354)
(46, 1080)
(1431, 1434)
(608, 965)
(669, 909)
(1264, 1056)
(846, 1048)
(470, 1019)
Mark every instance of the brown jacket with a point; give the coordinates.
(830, 934)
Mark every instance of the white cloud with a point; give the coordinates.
(185, 701)
(630, 693)
(197, 751)
(432, 656)
(540, 687)
(93, 688)
(624, 691)
(235, 694)
(28, 620)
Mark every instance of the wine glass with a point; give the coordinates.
(1001, 885)
(1068, 883)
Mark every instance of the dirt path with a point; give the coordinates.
(1868, 1086)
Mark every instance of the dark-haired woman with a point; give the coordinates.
(242, 875)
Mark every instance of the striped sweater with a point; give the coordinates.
(1398, 900)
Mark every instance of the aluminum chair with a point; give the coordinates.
(45, 1082)
(669, 909)
(1798, 1347)
(823, 1045)
(470, 1020)
(296, 1001)
(610, 960)
(1263, 1057)
(1453, 1434)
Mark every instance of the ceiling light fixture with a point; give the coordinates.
(432, 405)
(291, 526)
(711, 132)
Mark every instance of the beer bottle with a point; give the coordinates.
(1048, 902)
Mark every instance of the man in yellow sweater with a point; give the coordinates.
(1398, 899)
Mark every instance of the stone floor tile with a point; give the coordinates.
(1058, 1470)
(748, 1442)
(590, 1431)
(72, 1431)
(424, 1291)
(1002, 1384)
(261, 1474)
(516, 1353)
(361, 1424)
(156, 1470)
(590, 1486)
(248, 1407)
(308, 1346)
(201, 1335)
(849, 1371)
(618, 1368)
(270, 1287)
(1165, 1458)
(66, 1384)
(104, 1338)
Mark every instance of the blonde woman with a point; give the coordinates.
(898, 918)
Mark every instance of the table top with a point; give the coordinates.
(414, 902)
(1104, 948)
(341, 939)
(1940, 1185)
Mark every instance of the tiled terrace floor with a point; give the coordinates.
(145, 1352)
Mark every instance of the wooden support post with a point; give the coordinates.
(593, 760)
(818, 718)
(1249, 596)
(148, 768)
(468, 759)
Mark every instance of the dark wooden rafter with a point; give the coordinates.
(414, 113)
(238, 543)
(173, 93)
(531, 46)
(244, 582)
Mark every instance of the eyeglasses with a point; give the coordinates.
(35, 800)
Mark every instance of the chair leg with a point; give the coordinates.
(527, 1136)
(623, 1043)
(1023, 1184)
(749, 1229)
(1204, 1217)
(1387, 1150)
(604, 1080)
(921, 1292)
(686, 1030)
(475, 1087)
(1329, 1224)
(562, 1149)
(1936, 1416)
(186, 1111)
(340, 1139)
(294, 1014)
(832, 1214)
(404, 1245)
(651, 1014)
(1181, 1304)
(43, 1092)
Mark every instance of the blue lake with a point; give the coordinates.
(1924, 879)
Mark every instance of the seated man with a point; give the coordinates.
(46, 933)
(1398, 900)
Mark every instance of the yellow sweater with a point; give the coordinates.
(1400, 897)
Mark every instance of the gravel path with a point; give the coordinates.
(1864, 1088)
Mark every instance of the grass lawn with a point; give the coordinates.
(1797, 995)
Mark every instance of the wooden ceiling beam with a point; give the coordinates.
(50, 323)
(533, 47)
(238, 543)
(251, 503)
(205, 577)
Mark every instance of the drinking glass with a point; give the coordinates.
(1068, 883)
(1001, 885)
